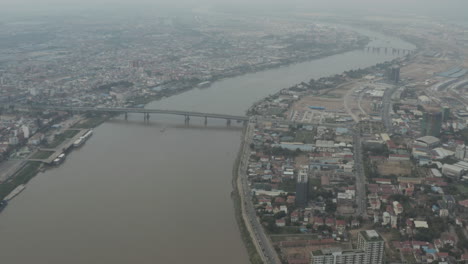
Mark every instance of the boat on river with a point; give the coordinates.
(59, 159)
(3, 204)
(82, 139)
(204, 84)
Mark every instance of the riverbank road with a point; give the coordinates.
(260, 239)
(360, 178)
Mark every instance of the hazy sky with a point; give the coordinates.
(457, 8)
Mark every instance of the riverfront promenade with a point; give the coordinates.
(61, 148)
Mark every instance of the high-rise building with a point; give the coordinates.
(373, 245)
(370, 251)
(431, 124)
(302, 188)
(445, 113)
(393, 74)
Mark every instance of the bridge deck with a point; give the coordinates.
(137, 110)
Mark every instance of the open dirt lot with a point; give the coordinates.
(330, 104)
(394, 167)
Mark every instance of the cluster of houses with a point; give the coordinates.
(16, 131)
(308, 184)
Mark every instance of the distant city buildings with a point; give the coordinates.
(80, 67)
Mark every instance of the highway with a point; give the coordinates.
(387, 108)
(358, 153)
(360, 177)
(261, 240)
(361, 200)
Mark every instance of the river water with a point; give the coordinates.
(156, 192)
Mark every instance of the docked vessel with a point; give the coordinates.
(82, 139)
(15, 192)
(3, 204)
(59, 159)
(78, 142)
(204, 84)
(88, 134)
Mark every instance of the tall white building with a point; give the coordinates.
(337, 256)
(373, 245)
(461, 152)
(25, 131)
(370, 251)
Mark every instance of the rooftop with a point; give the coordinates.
(428, 140)
(371, 235)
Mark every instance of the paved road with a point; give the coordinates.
(361, 201)
(360, 177)
(358, 153)
(387, 108)
(261, 240)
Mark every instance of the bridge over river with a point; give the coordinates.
(187, 114)
(146, 112)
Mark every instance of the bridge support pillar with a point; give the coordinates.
(228, 122)
(206, 120)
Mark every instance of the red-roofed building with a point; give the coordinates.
(318, 221)
(340, 225)
(280, 200)
(295, 216)
(464, 257)
(442, 255)
(330, 221)
(391, 145)
(281, 222)
(463, 203)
